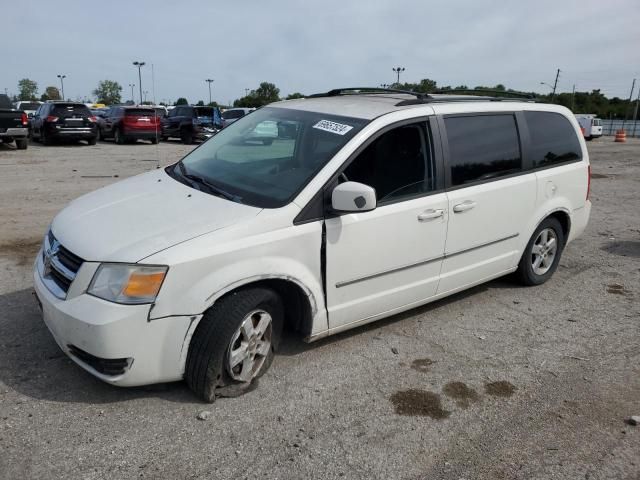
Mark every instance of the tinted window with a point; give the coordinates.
(29, 106)
(482, 147)
(140, 112)
(553, 139)
(394, 164)
(71, 108)
(265, 158)
(229, 114)
(204, 111)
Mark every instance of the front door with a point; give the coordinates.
(388, 259)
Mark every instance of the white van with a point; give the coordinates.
(363, 205)
(591, 126)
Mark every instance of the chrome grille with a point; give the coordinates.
(60, 266)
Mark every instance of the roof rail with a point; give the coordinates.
(498, 94)
(367, 90)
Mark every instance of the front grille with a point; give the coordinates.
(106, 366)
(60, 266)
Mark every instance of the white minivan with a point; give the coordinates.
(365, 204)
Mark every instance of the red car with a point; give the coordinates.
(130, 124)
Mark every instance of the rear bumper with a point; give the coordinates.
(16, 132)
(141, 134)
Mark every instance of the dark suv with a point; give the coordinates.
(130, 123)
(64, 120)
(189, 123)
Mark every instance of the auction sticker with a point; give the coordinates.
(333, 127)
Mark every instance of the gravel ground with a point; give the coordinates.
(499, 382)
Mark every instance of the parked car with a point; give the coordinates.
(130, 124)
(28, 107)
(13, 124)
(189, 123)
(591, 126)
(370, 205)
(230, 115)
(64, 120)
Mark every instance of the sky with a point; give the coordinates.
(310, 47)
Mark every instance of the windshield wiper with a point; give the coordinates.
(210, 187)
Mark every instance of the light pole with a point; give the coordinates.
(398, 70)
(62, 77)
(246, 92)
(133, 100)
(385, 85)
(209, 81)
(145, 96)
(139, 65)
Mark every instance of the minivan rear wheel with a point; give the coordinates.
(234, 343)
(542, 254)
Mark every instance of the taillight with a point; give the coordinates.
(93, 119)
(25, 119)
(588, 182)
(51, 118)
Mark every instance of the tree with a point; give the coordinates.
(28, 89)
(52, 93)
(108, 92)
(182, 101)
(200, 103)
(295, 95)
(264, 94)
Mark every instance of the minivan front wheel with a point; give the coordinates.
(234, 343)
(542, 254)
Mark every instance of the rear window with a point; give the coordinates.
(60, 108)
(553, 139)
(204, 112)
(482, 147)
(229, 114)
(140, 112)
(29, 106)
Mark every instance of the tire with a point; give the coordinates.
(21, 143)
(187, 137)
(267, 141)
(209, 371)
(154, 141)
(117, 136)
(548, 259)
(92, 140)
(44, 138)
(165, 138)
(588, 139)
(99, 135)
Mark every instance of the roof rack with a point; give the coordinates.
(367, 90)
(499, 94)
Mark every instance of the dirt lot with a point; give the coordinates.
(499, 382)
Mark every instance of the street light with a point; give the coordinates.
(145, 96)
(398, 70)
(545, 83)
(133, 100)
(139, 65)
(209, 81)
(62, 77)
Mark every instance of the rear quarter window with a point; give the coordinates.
(553, 139)
(482, 147)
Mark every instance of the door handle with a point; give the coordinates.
(430, 214)
(464, 206)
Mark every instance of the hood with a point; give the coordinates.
(137, 217)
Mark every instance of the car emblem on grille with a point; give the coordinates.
(49, 254)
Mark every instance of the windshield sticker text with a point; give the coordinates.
(333, 127)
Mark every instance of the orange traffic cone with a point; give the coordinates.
(621, 136)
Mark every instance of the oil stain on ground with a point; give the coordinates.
(21, 251)
(599, 175)
(461, 393)
(617, 289)
(422, 364)
(414, 402)
(500, 389)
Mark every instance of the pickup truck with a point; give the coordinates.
(13, 124)
(189, 123)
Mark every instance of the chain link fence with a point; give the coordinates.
(632, 128)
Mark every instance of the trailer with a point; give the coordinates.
(590, 125)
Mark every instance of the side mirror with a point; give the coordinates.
(30, 115)
(353, 197)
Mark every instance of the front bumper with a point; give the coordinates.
(116, 343)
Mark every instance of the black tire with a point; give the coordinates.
(165, 138)
(92, 140)
(207, 366)
(267, 141)
(99, 135)
(525, 273)
(187, 137)
(588, 139)
(154, 141)
(21, 143)
(117, 136)
(44, 138)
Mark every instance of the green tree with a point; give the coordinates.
(108, 92)
(200, 103)
(28, 89)
(52, 93)
(182, 101)
(293, 96)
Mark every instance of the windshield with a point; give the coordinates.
(29, 106)
(204, 111)
(266, 158)
(229, 114)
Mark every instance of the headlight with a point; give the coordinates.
(130, 284)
